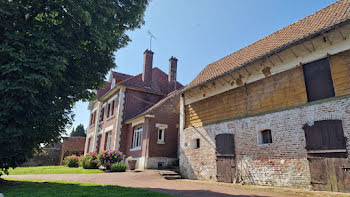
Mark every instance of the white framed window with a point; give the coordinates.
(161, 133)
(109, 138)
(137, 138)
(90, 145)
(113, 83)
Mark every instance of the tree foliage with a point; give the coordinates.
(79, 131)
(52, 54)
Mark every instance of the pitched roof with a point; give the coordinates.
(158, 104)
(104, 90)
(159, 82)
(319, 21)
(75, 144)
(120, 76)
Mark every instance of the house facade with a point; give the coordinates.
(129, 115)
(276, 112)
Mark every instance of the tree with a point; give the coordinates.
(79, 131)
(73, 131)
(53, 54)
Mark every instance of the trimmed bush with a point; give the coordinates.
(71, 161)
(89, 161)
(118, 167)
(110, 157)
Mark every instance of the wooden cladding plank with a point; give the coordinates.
(275, 92)
(340, 67)
(286, 89)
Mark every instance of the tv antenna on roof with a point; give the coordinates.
(150, 39)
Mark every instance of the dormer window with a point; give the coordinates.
(113, 83)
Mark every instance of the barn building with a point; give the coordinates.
(276, 112)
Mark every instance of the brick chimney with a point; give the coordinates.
(147, 68)
(172, 74)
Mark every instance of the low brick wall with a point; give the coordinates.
(282, 163)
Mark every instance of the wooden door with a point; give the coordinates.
(226, 169)
(327, 155)
(225, 158)
(330, 174)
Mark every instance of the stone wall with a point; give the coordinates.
(48, 157)
(281, 163)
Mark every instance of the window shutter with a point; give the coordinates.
(318, 80)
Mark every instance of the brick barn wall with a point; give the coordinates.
(282, 163)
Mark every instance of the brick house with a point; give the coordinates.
(137, 115)
(276, 112)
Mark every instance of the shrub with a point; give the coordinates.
(89, 161)
(110, 157)
(118, 167)
(71, 161)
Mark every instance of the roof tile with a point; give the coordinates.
(327, 17)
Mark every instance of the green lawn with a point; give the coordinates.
(31, 188)
(51, 170)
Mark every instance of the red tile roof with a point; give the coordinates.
(319, 21)
(120, 76)
(159, 82)
(103, 91)
(73, 144)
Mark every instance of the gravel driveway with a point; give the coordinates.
(151, 180)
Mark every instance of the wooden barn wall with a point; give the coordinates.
(282, 90)
(340, 68)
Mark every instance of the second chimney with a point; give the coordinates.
(172, 74)
(147, 68)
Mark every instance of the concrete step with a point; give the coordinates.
(170, 175)
(173, 177)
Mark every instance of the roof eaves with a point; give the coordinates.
(275, 51)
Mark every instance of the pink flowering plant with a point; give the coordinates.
(110, 157)
(89, 161)
(71, 161)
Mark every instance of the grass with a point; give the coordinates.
(31, 188)
(51, 170)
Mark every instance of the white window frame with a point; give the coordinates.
(161, 140)
(90, 145)
(113, 83)
(109, 139)
(137, 138)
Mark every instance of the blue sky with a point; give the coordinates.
(199, 32)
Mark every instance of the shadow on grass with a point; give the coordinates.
(67, 189)
(26, 188)
(200, 193)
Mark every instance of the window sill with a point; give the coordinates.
(100, 123)
(160, 142)
(327, 151)
(267, 144)
(93, 125)
(111, 117)
(136, 148)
